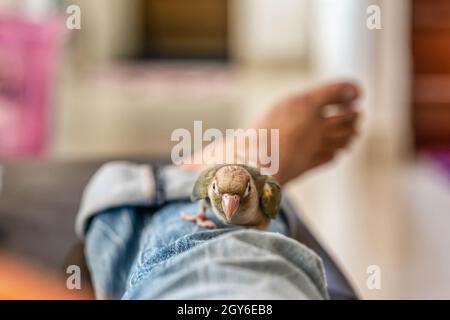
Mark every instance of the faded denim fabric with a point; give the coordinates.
(146, 251)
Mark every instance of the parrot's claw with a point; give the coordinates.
(200, 218)
(189, 217)
(206, 224)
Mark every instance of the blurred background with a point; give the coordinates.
(137, 70)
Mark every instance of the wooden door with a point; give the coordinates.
(431, 77)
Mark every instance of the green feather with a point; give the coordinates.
(270, 200)
(200, 190)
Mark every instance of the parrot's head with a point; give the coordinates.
(232, 193)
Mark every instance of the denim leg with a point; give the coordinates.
(138, 247)
(165, 236)
(111, 244)
(124, 244)
(179, 260)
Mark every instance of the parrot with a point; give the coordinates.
(237, 194)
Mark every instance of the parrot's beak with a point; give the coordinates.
(230, 204)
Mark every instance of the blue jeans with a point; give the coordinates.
(146, 251)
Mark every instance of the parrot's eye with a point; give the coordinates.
(247, 190)
(215, 189)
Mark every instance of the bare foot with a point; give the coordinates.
(307, 137)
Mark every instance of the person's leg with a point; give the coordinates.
(124, 245)
(308, 136)
(165, 235)
(238, 264)
(111, 245)
(120, 254)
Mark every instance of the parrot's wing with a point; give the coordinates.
(200, 190)
(271, 197)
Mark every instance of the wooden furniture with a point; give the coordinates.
(180, 29)
(431, 76)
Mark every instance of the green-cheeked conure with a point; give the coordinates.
(237, 194)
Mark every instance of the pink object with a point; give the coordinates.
(441, 156)
(28, 52)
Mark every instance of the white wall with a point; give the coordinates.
(109, 29)
(356, 206)
(267, 31)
